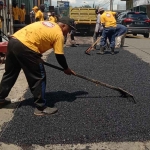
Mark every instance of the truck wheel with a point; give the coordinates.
(146, 35)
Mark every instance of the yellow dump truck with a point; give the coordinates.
(85, 19)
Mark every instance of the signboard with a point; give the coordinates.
(63, 7)
(140, 2)
(63, 4)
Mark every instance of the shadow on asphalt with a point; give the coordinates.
(56, 97)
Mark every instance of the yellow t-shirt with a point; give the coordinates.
(53, 19)
(16, 13)
(22, 13)
(108, 19)
(42, 36)
(39, 15)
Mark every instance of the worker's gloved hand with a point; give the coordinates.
(69, 71)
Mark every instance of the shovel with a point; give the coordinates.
(120, 90)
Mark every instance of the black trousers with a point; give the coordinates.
(0, 36)
(21, 57)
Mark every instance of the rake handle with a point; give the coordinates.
(89, 49)
(120, 90)
(83, 77)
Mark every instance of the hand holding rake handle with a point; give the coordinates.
(120, 90)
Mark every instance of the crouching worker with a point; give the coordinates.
(109, 23)
(121, 31)
(24, 51)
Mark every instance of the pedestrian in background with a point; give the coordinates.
(22, 13)
(16, 13)
(39, 16)
(109, 24)
(121, 31)
(25, 50)
(72, 34)
(52, 17)
(33, 13)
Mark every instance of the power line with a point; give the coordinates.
(108, 1)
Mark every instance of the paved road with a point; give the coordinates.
(89, 113)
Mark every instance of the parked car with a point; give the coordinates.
(136, 22)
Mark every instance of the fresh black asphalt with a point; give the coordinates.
(87, 112)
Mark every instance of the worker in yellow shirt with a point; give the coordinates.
(40, 13)
(16, 13)
(52, 17)
(33, 13)
(22, 13)
(109, 24)
(25, 50)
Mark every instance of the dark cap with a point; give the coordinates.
(68, 21)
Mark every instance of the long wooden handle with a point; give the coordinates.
(120, 90)
(89, 49)
(83, 77)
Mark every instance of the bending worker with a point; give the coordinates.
(24, 51)
(109, 23)
(121, 31)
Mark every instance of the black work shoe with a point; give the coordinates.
(112, 50)
(112, 53)
(4, 102)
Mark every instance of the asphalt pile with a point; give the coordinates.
(87, 112)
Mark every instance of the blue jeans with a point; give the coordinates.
(110, 34)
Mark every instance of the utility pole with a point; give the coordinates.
(111, 5)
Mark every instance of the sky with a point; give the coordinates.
(103, 3)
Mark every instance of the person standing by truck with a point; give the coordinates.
(109, 23)
(98, 28)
